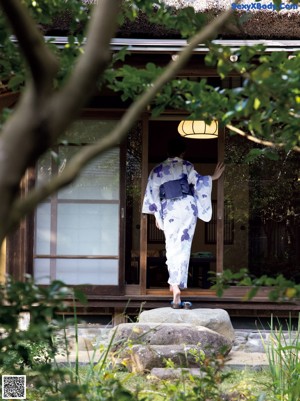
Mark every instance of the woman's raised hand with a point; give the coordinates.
(220, 167)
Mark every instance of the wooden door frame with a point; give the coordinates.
(20, 243)
(144, 221)
(220, 207)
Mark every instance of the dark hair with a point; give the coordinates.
(176, 147)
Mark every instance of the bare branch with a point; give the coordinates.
(258, 140)
(42, 63)
(24, 206)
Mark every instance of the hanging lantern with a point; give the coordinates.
(198, 129)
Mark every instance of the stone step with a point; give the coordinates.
(89, 337)
(143, 358)
(217, 320)
(141, 347)
(167, 333)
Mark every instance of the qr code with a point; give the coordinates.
(14, 387)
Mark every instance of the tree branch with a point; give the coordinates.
(90, 65)
(34, 126)
(72, 170)
(42, 63)
(258, 140)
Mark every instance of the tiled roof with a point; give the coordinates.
(253, 19)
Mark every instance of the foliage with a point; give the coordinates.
(263, 192)
(31, 351)
(23, 352)
(106, 382)
(74, 17)
(187, 22)
(273, 191)
(280, 288)
(12, 66)
(273, 178)
(266, 104)
(283, 355)
(248, 384)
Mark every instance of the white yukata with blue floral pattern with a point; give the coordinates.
(178, 217)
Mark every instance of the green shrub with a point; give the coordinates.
(31, 351)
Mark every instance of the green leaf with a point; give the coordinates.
(271, 154)
(15, 82)
(80, 296)
(156, 111)
(256, 104)
(253, 154)
(254, 124)
(241, 105)
(251, 293)
(246, 281)
(71, 40)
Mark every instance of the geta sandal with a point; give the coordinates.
(176, 306)
(187, 305)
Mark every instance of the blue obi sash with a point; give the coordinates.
(175, 189)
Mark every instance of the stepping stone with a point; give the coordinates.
(215, 319)
(142, 347)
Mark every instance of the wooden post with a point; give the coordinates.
(143, 233)
(220, 206)
(19, 244)
(3, 262)
(118, 316)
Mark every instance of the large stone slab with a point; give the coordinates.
(143, 358)
(215, 319)
(167, 333)
(142, 346)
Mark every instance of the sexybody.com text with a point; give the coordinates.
(260, 6)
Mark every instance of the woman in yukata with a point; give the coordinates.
(176, 194)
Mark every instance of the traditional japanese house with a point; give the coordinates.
(92, 234)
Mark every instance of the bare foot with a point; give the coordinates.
(176, 294)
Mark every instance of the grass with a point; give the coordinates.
(31, 352)
(283, 353)
(222, 384)
(246, 385)
(237, 385)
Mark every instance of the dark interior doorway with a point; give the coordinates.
(198, 151)
(203, 154)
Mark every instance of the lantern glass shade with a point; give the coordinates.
(198, 129)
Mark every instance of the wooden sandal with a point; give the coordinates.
(176, 306)
(187, 305)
